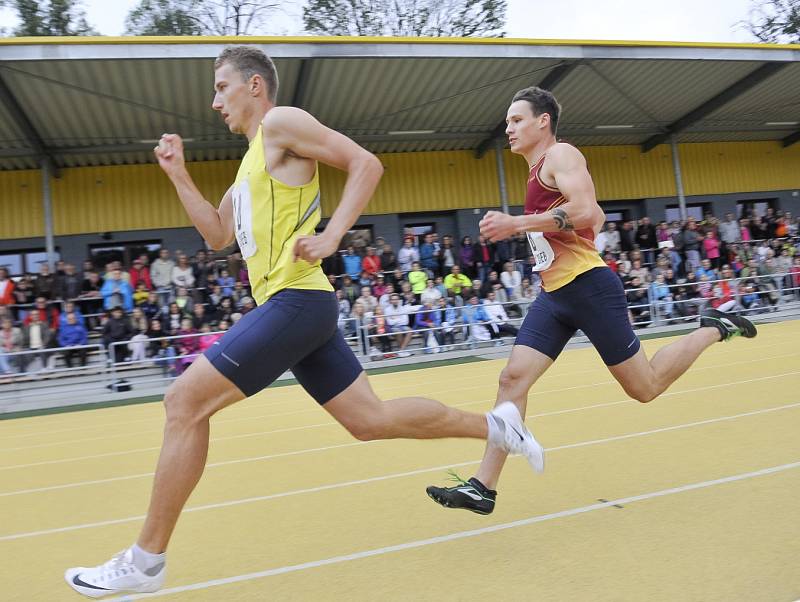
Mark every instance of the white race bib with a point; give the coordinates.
(543, 254)
(243, 219)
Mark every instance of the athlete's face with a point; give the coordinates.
(233, 98)
(524, 129)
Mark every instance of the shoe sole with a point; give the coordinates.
(747, 328)
(446, 504)
(94, 593)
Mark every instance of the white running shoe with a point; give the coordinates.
(118, 575)
(514, 437)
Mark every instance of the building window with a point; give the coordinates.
(418, 231)
(753, 208)
(102, 254)
(25, 261)
(673, 212)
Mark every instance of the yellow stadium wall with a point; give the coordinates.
(118, 198)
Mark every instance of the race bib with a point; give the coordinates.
(543, 254)
(243, 219)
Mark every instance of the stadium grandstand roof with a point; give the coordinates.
(104, 101)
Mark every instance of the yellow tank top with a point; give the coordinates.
(268, 217)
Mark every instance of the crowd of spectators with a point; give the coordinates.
(193, 300)
(443, 291)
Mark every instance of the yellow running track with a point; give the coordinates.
(691, 497)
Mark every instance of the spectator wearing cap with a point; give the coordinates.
(116, 292)
(407, 255)
(140, 273)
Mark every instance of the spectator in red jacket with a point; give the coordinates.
(140, 273)
(371, 263)
(47, 315)
(6, 288)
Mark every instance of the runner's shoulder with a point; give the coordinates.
(562, 153)
(281, 119)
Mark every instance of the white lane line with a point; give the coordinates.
(421, 543)
(340, 485)
(267, 403)
(316, 409)
(323, 424)
(360, 443)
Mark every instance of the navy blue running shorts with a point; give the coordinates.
(294, 330)
(595, 303)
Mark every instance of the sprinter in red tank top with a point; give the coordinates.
(579, 291)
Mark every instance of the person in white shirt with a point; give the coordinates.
(601, 241)
(499, 317)
(386, 298)
(398, 324)
(612, 237)
(183, 274)
(512, 281)
(431, 294)
(407, 255)
(367, 299)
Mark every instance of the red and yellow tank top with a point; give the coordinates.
(574, 250)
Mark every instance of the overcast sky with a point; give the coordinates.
(676, 20)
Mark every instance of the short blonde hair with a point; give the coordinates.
(250, 61)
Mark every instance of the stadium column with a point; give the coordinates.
(499, 148)
(676, 166)
(47, 200)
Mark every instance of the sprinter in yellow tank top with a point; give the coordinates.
(271, 211)
(579, 291)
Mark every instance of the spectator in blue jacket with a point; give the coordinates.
(352, 263)
(428, 256)
(71, 308)
(73, 334)
(660, 293)
(116, 292)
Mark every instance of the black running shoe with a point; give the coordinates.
(469, 495)
(729, 325)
